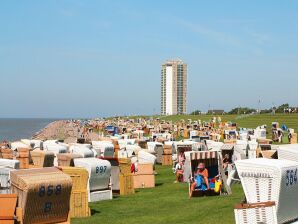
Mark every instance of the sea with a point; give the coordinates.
(17, 128)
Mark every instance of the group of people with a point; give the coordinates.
(201, 171)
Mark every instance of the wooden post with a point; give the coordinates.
(19, 215)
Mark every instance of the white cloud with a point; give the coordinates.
(220, 37)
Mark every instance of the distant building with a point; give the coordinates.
(216, 112)
(173, 87)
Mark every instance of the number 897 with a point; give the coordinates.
(101, 169)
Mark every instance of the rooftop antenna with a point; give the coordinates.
(259, 103)
(273, 108)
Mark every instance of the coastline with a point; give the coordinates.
(54, 130)
(14, 129)
(66, 130)
(38, 134)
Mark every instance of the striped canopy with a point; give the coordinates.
(203, 155)
(209, 158)
(227, 147)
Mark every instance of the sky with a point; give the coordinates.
(78, 58)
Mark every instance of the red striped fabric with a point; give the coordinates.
(203, 155)
(210, 158)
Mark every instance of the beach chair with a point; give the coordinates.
(211, 161)
(266, 151)
(180, 147)
(288, 152)
(264, 212)
(275, 180)
(9, 212)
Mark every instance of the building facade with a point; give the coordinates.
(173, 87)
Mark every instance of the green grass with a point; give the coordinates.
(291, 120)
(252, 121)
(166, 203)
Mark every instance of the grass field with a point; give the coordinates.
(248, 121)
(251, 121)
(166, 203)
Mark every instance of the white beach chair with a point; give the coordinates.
(264, 213)
(289, 152)
(266, 180)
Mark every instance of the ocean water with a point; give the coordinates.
(17, 128)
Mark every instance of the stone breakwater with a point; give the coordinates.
(67, 130)
(61, 129)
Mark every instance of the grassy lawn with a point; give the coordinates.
(252, 121)
(291, 120)
(166, 203)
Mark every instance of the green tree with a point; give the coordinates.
(281, 108)
(242, 110)
(196, 112)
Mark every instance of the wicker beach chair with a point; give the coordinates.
(264, 212)
(289, 152)
(211, 161)
(266, 180)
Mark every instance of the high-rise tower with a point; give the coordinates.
(173, 87)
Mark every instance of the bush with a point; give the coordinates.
(196, 112)
(242, 110)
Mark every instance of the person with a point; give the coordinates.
(203, 172)
(154, 138)
(289, 137)
(181, 157)
(179, 169)
(226, 161)
(280, 135)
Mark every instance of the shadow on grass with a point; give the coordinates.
(94, 212)
(116, 196)
(158, 184)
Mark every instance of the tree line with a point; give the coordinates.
(284, 108)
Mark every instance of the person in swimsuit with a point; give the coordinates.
(202, 171)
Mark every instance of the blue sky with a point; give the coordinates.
(100, 58)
